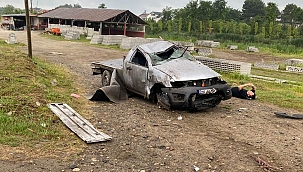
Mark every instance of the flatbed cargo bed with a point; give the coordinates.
(107, 65)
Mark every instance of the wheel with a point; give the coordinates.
(154, 92)
(106, 76)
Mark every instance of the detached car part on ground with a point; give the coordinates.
(164, 73)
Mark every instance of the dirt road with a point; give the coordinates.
(146, 138)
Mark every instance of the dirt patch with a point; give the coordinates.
(146, 138)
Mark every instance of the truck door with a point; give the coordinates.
(136, 72)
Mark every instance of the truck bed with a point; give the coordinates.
(110, 65)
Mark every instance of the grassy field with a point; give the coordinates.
(281, 74)
(26, 87)
(277, 50)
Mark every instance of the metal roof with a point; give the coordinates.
(95, 15)
(17, 15)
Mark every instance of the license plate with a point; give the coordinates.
(207, 91)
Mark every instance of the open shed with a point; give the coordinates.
(16, 21)
(104, 21)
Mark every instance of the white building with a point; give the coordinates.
(156, 16)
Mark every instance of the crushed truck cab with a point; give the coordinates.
(164, 73)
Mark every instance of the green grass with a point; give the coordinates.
(25, 90)
(278, 50)
(283, 75)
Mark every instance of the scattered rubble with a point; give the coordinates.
(232, 47)
(252, 49)
(207, 43)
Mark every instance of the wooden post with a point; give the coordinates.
(124, 29)
(100, 29)
(28, 29)
(109, 29)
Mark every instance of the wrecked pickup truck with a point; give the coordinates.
(164, 73)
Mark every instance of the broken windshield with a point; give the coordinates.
(173, 53)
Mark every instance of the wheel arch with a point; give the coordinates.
(156, 88)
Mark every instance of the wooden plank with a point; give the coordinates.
(75, 122)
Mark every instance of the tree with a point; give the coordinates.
(8, 9)
(205, 11)
(299, 15)
(232, 14)
(191, 10)
(200, 26)
(220, 26)
(77, 6)
(219, 7)
(160, 25)
(296, 32)
(65, 6)
(271, 12)
(289, 31)
(151, 24)
(180, 25)
(210, 26)
(263, 32)
(234, 26)
(241, 28)
(278, 30)
(169, 26)
(69, 6)
(289, 13)
(102, 5)
(167, 14)
(248, 29)
(252, 8)
(271, 27)
(227, 26)
(20, 11)
(256, 28)
(189, 27)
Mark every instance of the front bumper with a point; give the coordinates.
(196, 97)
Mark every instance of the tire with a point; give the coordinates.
(156, 90)
(106, 77)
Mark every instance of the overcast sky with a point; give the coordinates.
(135, 6)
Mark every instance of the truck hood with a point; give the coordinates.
(186, 70)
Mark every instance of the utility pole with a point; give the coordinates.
(28, 29)
(31, 6)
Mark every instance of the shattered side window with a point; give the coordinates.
(139, 59)
(172, 53)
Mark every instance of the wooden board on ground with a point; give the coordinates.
(80, 126)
